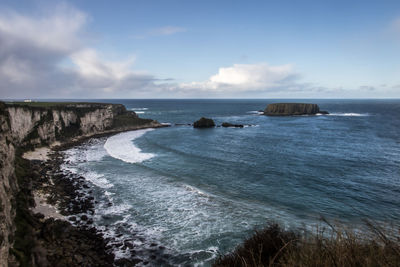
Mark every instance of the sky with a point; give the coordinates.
(199, 49)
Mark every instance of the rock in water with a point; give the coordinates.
(227, 124)
(204, 123)
(289, 109)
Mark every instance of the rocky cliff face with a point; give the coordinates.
(27, 126)
(288, 109)
(8, 185)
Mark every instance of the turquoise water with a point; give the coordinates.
(200, 192)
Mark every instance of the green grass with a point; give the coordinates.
(50, 104)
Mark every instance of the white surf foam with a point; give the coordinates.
(95, 153)
(195, 190)
(349, 114)
(139, 112)
(139, 109)
(255, 112)
(97, 179)
(121, 147)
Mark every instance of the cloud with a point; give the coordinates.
(46, 57)
(162, 31)
(395, 25)
(247, 77)
(167, 30)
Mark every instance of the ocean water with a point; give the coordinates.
(200, 192)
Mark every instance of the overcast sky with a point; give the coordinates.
(199, 49)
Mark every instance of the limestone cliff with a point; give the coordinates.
(25, 126)
(8, 185)
(289, 109)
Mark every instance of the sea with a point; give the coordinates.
(198, 193)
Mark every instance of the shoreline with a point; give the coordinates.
(68, 198)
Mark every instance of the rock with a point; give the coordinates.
(227, 124)
(204, 123)
(289, 109)
(323, 112)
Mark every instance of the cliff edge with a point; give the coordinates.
(24, 126)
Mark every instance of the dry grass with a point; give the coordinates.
(326, 246)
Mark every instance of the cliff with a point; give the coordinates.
(26, 126)
(289, 109)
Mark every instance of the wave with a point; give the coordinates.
(139, 112)
(251, 125)
(97, 179)
(121, 147)
(255, 112)
(349, 114)
(138, 109)
(195, 190)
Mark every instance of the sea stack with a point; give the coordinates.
(290, 109)
(204, 123)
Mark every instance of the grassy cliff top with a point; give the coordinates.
(40, 104)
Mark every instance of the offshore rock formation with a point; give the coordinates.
(30, 125)
(204, 123)
(289, 109)
(227, 124)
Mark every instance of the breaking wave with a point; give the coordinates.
(121, 147)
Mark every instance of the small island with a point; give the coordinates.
(204, 123)
(291, 109)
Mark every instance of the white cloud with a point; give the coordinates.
(162, 31)
(57, 33)
(48, 57)
(167, 30)
(396, 25)
(33, 52)
(246, 77)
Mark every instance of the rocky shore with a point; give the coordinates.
(45, 213)
(72, 239)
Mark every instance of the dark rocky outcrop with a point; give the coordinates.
(290, 109)
(204, 123)
(227, 124)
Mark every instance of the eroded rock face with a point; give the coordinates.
(204, 123)
(290, 109)
(8, 188)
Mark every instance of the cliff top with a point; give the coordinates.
(40, 104)
(289, 109)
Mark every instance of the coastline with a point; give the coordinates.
(64, 197)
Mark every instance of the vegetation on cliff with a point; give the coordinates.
(335, 246)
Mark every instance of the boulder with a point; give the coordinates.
(289, 109)
(204, 123)
(227, 124)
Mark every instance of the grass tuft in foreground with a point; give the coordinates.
(275, 246)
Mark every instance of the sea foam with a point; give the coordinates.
(121, 147)
(349, 114)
